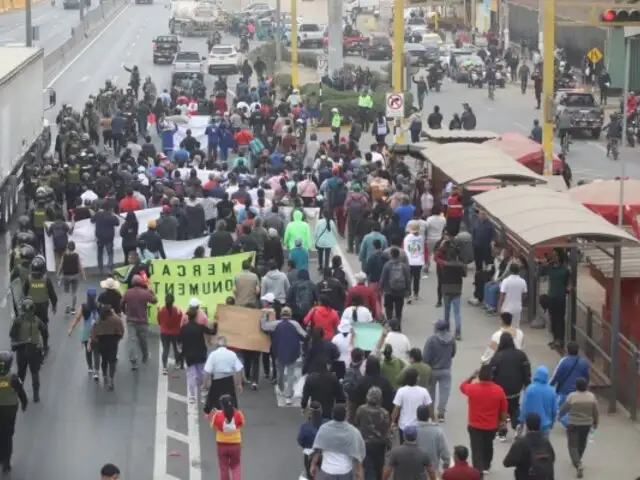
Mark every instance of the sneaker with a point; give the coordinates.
(67, 309)
(486, 472)
(458, 336)
(441, 418)
(134, 367)
(90, 371)
(192, 399)
(438, 304)
(110, 385)
(416, 297)
(502, 438)
(164, 371)
(254, 386)
(279, 392)
(96, 377)
(73, 311)
(473, 301)
(579, 472)
(409, 301)
(288, 401)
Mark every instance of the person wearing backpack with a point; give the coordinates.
(532, 455)
(395, 283)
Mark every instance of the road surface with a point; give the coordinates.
(55, 24)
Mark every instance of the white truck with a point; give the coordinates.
(23, 129)
(189, 18)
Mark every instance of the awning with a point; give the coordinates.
(540, 215)
(465, 163)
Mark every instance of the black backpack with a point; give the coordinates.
(540, 462)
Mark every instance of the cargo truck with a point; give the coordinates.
(23, 130)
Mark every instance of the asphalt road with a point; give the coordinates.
(55, 24)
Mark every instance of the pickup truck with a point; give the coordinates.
(309, 35)
(165, 48)
(188, 62)
(352, 43)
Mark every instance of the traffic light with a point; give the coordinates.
(620, 16)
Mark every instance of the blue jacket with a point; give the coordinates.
(285, 342)
(117, 124)
(366, 247)
(301, 257)
(307, 434)
(226, 137)
(540, 397)
(180, 156)
(566, 375)
(167, 138)
(483, 234)
(212, 134)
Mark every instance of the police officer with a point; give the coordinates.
(26, 336)
(73, 181)
(11, 392)
(39, 216)
(40, 288)
(20, 274)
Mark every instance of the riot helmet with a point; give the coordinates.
(6, 360)
(27, 305)
(38, 266)
(27, 254)
(24, 222)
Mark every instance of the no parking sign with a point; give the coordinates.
(395, 105)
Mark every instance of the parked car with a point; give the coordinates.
(378, 48)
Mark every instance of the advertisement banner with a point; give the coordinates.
(210, 280)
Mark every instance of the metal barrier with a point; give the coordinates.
(83, 30)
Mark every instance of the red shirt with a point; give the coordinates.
(369, 298)
(486, 402)
(129, 204)
(169, 320)
(243, 137)
(325, 318)
(454, 207)
(461, 471)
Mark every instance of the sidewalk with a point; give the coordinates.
(611, 455)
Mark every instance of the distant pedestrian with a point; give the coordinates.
(532, 455)
(408, 460)
(227, 423)
(438, 353)
(461, 470)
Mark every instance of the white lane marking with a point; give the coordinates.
(66, 68)
(520, 126)
(160, 446)
(181, 437)
(351, 278)
(177, 397)
(84, 79)
(193, 429)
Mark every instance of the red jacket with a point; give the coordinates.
(129, 204)
(325, 318)
(487, 401)
(369, 298)
(169, 320)
(461, 471)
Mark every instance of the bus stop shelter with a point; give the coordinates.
(535, 217)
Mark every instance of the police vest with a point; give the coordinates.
(39, 217)
(38, 290)
(73, 176)
(29, 332)
(8, 396)
(44, 181)
(336, 121)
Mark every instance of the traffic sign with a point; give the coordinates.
(395, 105)
(594, 55)
(322, 65)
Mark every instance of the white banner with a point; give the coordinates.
(197, 124)
(85, 239)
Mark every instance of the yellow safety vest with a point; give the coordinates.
(336, 120)
(39, 217)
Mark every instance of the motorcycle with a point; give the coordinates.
(632, 132)
(434, 81)
(501, 78)
(476, 78)
(244, 44)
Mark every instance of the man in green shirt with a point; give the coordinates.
(336, 123)
(415, 362)
(558, 279)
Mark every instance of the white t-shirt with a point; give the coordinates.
(377, 157)
(334, 463)
(222, 363)
(89, 196)
(513, 287)
(400, 345)
(414, 249)
(409, 399)
(363, 314)
(342, 342)
(435, 227)
(516, 333)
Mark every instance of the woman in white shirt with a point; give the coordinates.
(357, 312)
(414, 250)
(517, 334)
(342, 340)
(435, 226)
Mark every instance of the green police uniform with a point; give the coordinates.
(73, 175)
(28, 332)
(8, 396)
(39, 217)
(38, 290)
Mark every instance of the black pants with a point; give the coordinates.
(41, 310)
(482, 257)
(324, 256)
(538, 94)
(481, 443)
(29, 357)
(126, 251)
(269, 365)
(168, 342)
(88, 355)
(513, 409)
(108, 356)
(118, 143)
(557, 312)
(251, 361)
(373, 464)
(577, 438)
(453, 225)
(439, 287)
(393, 304)
(416, 271)
(523, 85)
(7, 428)
(604, 94)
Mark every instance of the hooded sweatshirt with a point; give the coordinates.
(540, 397)
(276, 282)
(439, 350)
(297, 228)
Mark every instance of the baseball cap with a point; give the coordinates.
(411, 433)
(194, 303)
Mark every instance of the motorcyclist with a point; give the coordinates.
(563, 125)
(614, 131)
(536, 132)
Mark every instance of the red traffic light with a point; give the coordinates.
(620, 16)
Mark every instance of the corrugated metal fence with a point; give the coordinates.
(576, 41)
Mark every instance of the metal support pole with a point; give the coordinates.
(507, 36)
(548, 73)
(82, 12)
(625, 113)
(278, 35)
(398, 54)
(294, 43)
(335, 57)
(29, 24)
(541, 8)
(615, 330)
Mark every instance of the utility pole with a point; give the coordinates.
(548, 40)
(278, 35)
(335, 58)
(294, 43)
(29, 23)
(82, 13)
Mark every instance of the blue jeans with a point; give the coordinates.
(491, 292)
(440, 378)
(452, 301)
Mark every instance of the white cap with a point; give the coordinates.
(268, 298)
(334, 110)
(194, 303)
